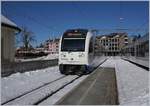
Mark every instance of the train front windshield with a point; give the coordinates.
(73, 44)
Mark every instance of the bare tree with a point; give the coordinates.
(27, 38)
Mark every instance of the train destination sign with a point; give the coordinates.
(74, 34)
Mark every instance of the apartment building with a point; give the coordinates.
(53, 46)
(111, 44)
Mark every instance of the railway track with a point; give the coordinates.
(44, 99)
(19, 96)
(37, 95)
(41, 93)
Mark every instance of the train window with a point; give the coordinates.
(73, 44)
(91, 46)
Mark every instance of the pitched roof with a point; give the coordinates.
(8, 23)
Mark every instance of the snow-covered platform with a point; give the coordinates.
(98, 89)
(132, 82)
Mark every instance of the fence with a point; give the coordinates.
(8, 69)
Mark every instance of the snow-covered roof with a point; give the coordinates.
(5, 21)
(103, 37)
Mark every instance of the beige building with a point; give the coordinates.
(111, 44)
(8, 31)
(53, 46)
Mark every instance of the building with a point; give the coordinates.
(111, 45)
(139, 47)
(8, 31)
(52, 46)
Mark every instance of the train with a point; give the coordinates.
(76, 51)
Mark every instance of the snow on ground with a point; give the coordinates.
(19, 83)
(51, 56)
(109, 63)
(132, 82)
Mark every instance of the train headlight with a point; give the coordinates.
(81, 55)
(63, 55)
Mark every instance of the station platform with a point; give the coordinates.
(100, 88)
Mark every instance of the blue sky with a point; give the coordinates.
(50, 19)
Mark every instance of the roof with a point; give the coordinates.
(112, 35)
(8, 23)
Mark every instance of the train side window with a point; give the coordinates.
(91, 46)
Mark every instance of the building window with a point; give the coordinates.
(115, 40)
(126, 40)
(126, 44)
(116, 48)
(112, 48)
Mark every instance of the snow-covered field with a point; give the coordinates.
(132, 82)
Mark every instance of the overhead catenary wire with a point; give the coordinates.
(33, 19)
(30, 18)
